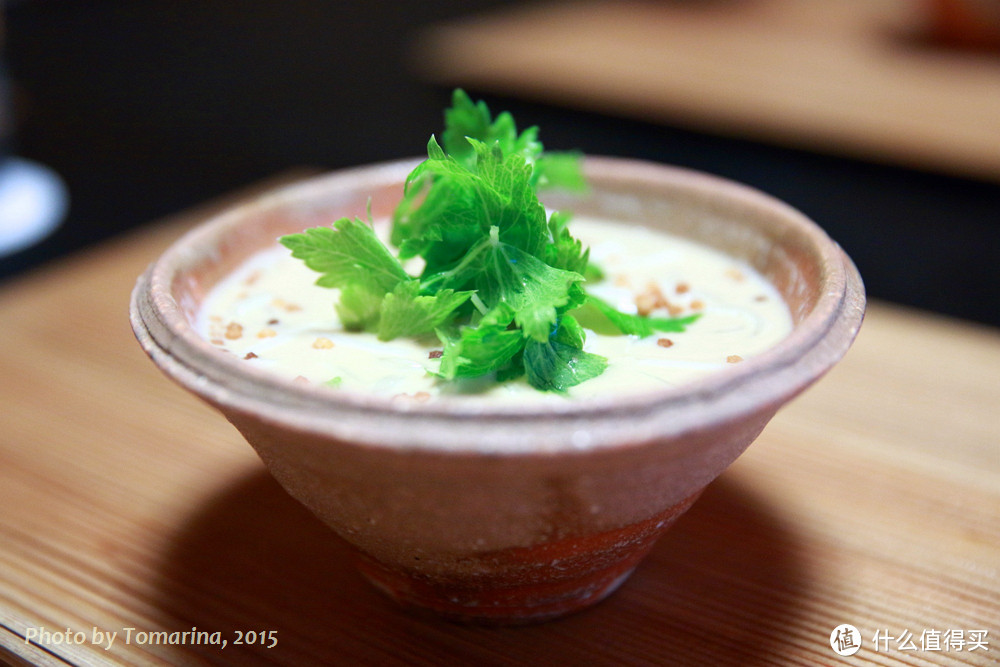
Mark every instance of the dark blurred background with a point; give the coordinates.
(145, 107)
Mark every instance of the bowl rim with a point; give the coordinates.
(760, 384)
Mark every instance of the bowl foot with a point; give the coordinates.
(524, 585)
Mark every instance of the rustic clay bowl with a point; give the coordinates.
(506, 514)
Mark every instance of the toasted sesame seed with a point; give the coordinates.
(645, 303)
(234, 331)
(664, 342)
(734, 358)
(286, 306)
(651, 299)
(322, 343)
(267, 333)
(736, 275)
(419, 397)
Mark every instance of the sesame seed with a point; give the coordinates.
(285, 305)
(651, 299)
(234, 331)
(419, 397)
(736, 275)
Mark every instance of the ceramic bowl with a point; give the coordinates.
(498, 513)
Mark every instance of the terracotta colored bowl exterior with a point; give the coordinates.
(498, 513)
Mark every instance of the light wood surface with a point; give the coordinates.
(874, 500)
(849, 77)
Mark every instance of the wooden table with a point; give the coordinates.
(128, 507)
(847, 77)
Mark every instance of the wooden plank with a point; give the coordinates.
(874, 499)
(847, 77)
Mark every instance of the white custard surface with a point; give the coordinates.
(270, 313)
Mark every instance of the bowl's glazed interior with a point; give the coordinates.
(493, 512)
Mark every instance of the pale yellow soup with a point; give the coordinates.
(271, 313)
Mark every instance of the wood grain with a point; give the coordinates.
(874, 499)
(850, 77)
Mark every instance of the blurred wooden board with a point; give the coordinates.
(874, 500)
(848, 77)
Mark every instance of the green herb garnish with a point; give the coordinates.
(503, 281)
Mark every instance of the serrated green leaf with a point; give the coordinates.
(560, 170)
(348, 253)
(556, 366)
(570, 332)
(481, 349)
(504, 274)
(447, 208)
(500, 277)
(359, 306)
(405, 312)
(599, 314)
(564, 251)
(467, 119)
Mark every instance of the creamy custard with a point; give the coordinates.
(270, 313)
